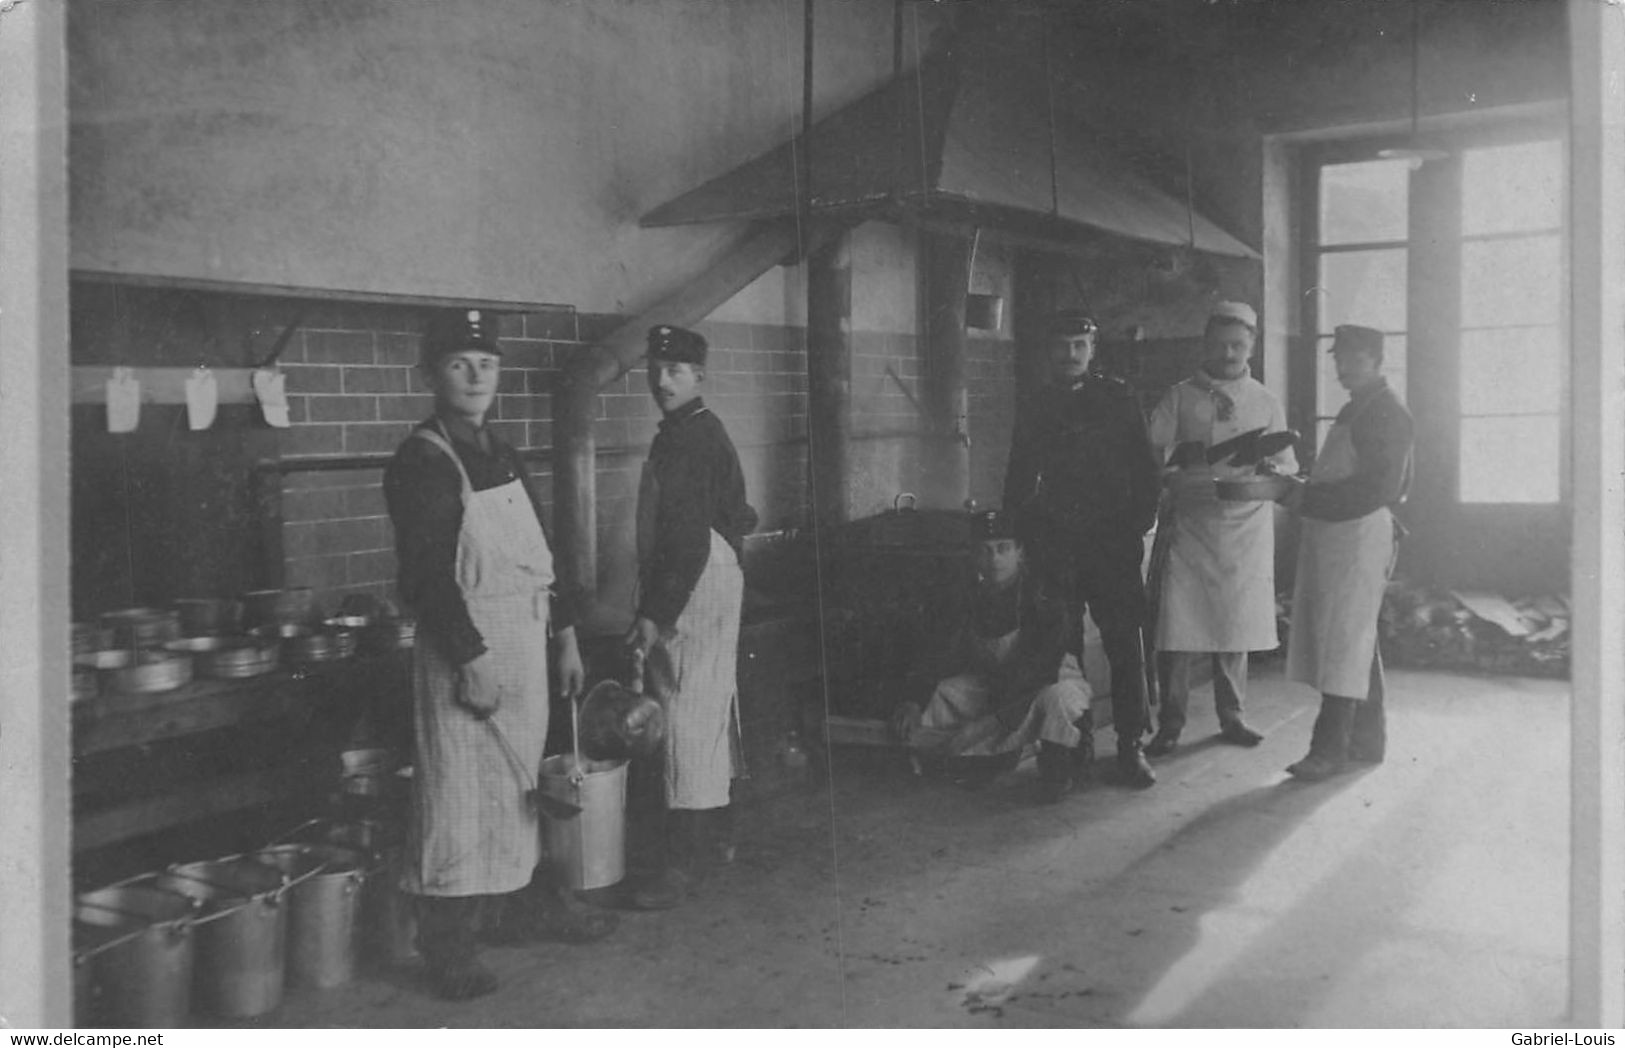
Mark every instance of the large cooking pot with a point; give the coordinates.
(142, 627)
(201, 616)
(133, 954)
(242, 934)
(324, 910)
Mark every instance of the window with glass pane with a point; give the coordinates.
(1512, 360)
(1364, 203)
(1362, 271)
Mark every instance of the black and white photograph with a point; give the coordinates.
(1088, 515)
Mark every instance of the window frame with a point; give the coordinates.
(1433, 239)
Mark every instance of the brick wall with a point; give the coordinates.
(354, 390)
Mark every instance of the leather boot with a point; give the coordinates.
(546, 910)
(1328, 740)
(1162, 743)
(675, 879)
(1083, 754)
(1368, 740)
(720, 843)
(1236, 732)
(1054, 772)
(447, 938)
(1132, 767)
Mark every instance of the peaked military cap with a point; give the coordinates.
(451, 331)
(1071, 323)
(677, 345)
(1349, 338)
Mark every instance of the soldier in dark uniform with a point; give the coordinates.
(1084, 480)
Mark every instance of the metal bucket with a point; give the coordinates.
(133, 955)
(241, 936)
(324, 911)
(587, 850)
(388, 918)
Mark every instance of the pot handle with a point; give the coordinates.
(307, 824)
(897, 503)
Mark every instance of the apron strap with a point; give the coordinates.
(438, 438)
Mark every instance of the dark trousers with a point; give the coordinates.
(1368, 739)
(1098, 570)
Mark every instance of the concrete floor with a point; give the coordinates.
(1430, 892)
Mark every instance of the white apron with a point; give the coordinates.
(959, 720)
(472, 832)
(1343, 571)
(693, 670)
(1218, 590)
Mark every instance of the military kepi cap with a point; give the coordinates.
(1070, 323)
(993, 525)
(1351, 338)
(676, 345)
(1240, 312)
(451, 331)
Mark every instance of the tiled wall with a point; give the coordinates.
(354, 391)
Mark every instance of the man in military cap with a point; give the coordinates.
(1218, 588)
(1084, 483)
(691, 526)
(1005, 679)
(1345, 553)
(476, 568)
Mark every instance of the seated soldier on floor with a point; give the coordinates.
(1004, 679)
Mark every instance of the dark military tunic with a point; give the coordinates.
(1084, 483)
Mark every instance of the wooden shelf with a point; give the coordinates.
(113, 721)
(297, 723)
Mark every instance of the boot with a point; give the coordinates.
(720, 844)
(1162, 743)
(1368, 739)
(1054, 772)
(1236, 732)
(1132, 767)
(447, 938)
(1328, 740)
(1083, 754)
(546, 910)
(675, 879)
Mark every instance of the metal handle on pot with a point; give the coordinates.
(897, 503)
(82, 956)
(307, 824)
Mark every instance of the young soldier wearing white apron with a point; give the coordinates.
(477, 571)
(1345, 553)
(1218, 590)
(692, 521)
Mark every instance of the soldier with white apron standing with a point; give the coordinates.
(692, 521)
(477, 571)
(1345, 555)
(1218, 591)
